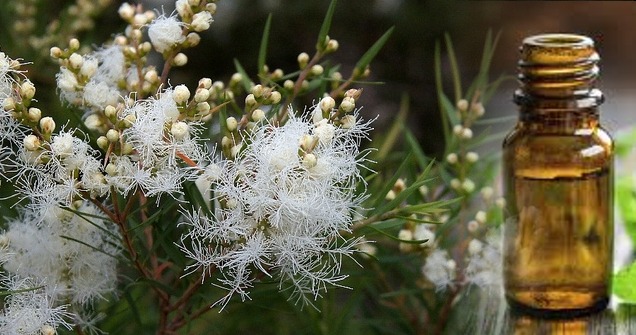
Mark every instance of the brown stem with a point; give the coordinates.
(335, 93)
(298, 85)
(194, 286)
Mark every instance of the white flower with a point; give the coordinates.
(100, 94)
(201, 21)
(277, 217)
(439, 269)
(165, 32)
(423, 233)
(73, 256)
(30, 310)
(484, 264)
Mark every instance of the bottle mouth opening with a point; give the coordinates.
(559, 40)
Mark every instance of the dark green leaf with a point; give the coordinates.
(368, 56)
(326, 25)
(262, 52)
(245, 79)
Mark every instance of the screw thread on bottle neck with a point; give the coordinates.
(558, 66)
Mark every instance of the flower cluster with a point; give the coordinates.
(279, 197)
(282, 204)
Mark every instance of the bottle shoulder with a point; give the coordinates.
(581, 151)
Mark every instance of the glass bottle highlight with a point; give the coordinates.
(558, 180)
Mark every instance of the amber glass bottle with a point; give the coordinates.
(558, 180)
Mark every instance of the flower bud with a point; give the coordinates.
(151, 76)
(487, 192)
(47, 330)
(127, 149)
(27, 90)
(481, 217)
(181, 94)
(111, 169)
(110, 112)
(47, 125)
(250, 100)
(205, 83)
(201, 95)
(31, 143)
(236, 78)
(303, 59)
(55, 52)
(74, 44)
(468, 185)
(231, 123)
(451, 158)
(102, 143)
(317, 70)
(423, 190)
(201, 21)
(257, 90)
(75, 61)
(93, 122)
(472, 226)
(455, 183)
(120, 40)
(309, 161)
(203, 107)
(180, 59)
(139, 20)
(347, 105)
(8, 104)
(179, 130)
(332, 46)
(472, 157)
(210, 7)
(478, 109)
(466, 134)
(500, 202)
(277, 74)
(390, 195)
(112, 135)
(457, 129)
(274, 97)
(348, 121)
(258, 114)
(307, 142)
(89, 67)
(126, 11)
(462, 105)
(129, 120)
(34, 114)
(327, 104)
(193, 39)
(288, 85)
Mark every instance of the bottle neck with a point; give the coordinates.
(560, 66)
(556, 75)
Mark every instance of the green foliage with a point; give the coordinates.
(623, 284)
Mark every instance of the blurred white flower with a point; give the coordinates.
(439, 269)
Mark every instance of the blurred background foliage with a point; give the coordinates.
(405, 64)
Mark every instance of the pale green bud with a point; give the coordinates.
(112, 135)
(231, 123)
